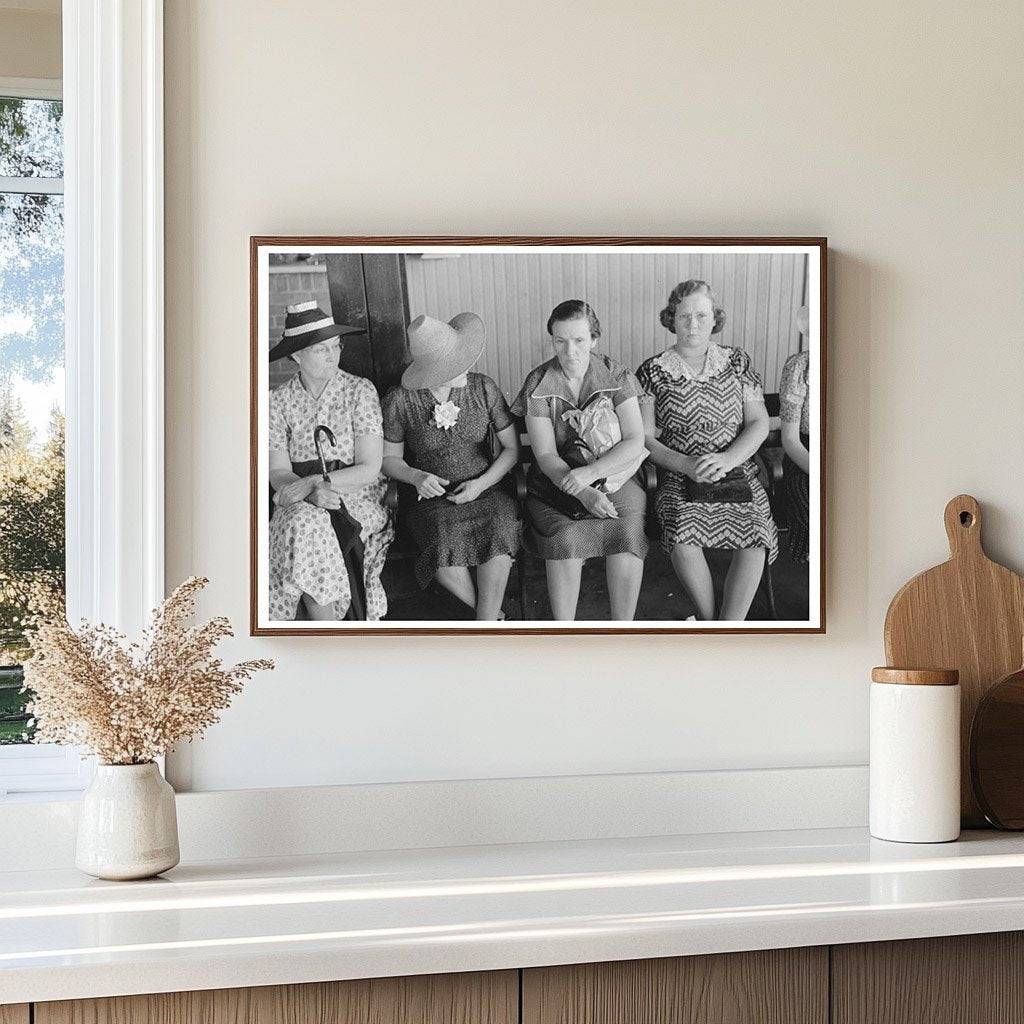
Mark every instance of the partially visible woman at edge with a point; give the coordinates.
(794, 411)
(583, 418)
(305, 557)
(438, 427)
(705, 421)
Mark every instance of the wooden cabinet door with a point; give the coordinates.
(480, 998)
(14, 1013)
(778, 986)
(960, 979)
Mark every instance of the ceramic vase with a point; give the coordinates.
(127, 825)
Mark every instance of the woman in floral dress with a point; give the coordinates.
(306, 562)
(583, 418)
(439, 427)
(705, 420)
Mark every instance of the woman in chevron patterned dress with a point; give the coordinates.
(705, 418)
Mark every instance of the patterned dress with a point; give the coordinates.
(550, 534)
(699, 413)
(448, 534)
(304, 553)
(794, 407)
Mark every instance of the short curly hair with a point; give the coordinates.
(691, 287)
(575, 309)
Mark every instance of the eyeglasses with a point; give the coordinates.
(687, 317)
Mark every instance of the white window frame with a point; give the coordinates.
(114, 334)
(32, 88)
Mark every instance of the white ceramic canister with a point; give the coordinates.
(915, 755)
(127, 825)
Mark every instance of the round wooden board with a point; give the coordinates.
(997, 752)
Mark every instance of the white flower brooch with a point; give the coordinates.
(446, 415)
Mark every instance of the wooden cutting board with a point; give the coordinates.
(967, 614)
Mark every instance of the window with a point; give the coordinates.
(109, 208)
(32, 506)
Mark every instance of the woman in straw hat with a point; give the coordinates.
(587, 435)
(439, 427)
(306, 562)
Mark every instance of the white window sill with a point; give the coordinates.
(43, 771)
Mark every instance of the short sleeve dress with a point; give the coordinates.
(699, 413)
(448, 534)
(304, 553)
(794, 408)
(550, 534)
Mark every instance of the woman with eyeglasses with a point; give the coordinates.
(705, 419)
(306, 561)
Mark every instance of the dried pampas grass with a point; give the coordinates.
(130, 703)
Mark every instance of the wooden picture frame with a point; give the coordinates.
(379, 304)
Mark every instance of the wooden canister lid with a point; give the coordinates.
(916, 676)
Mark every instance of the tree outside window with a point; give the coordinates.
(32, 555)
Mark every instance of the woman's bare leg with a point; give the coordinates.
(741, 583)
(625, 573)
(456, 579)
(691, 567)
(491, 580)
(564, 586)
(321, 612)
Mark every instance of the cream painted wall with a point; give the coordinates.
(895, 129)
(29, 42)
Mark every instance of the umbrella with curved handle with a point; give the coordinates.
(347, 529)
(319, 432)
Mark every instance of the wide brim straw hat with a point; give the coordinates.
(442, 351)
(305, 324)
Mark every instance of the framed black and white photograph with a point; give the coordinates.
(537, 435)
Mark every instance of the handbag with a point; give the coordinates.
(732, 489)
(540, 487)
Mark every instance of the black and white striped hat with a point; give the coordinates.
(306, 324)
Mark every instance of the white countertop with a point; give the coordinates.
(261, 922)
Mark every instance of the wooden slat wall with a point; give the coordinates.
(514, 294)
(480, 998)
(14, 1013)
